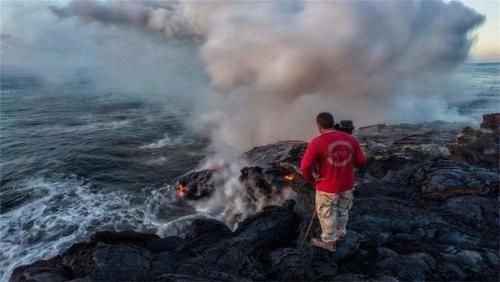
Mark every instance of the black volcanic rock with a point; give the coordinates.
(446, 178)
(419, 214)
(479, 147)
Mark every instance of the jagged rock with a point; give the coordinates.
(123, 237)
(450, 271)
(163, 263)
(165, 244)
(371, 129)
(203, 234)
(212, 276)
(121, 263)
(203, 227)
(444, 179)
(467, 260)
(274, 227)
(492, 258)
(468, 208)
(413, 267)
(286, 152)
(172, 277)
(348, 246)
(479, 147)
(352, 277)
(198, 184)
(457, 239)
(451, 233)
(491, 121)
(291, 264)
(42, 271)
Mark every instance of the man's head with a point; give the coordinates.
(325, 121)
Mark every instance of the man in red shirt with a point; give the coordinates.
(329, 163)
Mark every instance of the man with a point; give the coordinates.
(329, 163)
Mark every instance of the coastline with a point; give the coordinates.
(425, 208)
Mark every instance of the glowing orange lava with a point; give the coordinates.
(181, 190)
(289, 177)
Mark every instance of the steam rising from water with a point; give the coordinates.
(279, 63)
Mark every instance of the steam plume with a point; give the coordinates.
(279, 63)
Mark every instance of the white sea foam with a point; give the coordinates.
(157, 161)
(83, 128)
(166, 141)
(180, 226)
(66, 211)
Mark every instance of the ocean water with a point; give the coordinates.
(75, 159)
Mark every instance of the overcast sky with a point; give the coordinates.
(486, 48)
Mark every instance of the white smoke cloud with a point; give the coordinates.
(233, 201)
(279, 63)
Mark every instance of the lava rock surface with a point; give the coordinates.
(421, 212)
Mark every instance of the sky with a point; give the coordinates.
(487, 47)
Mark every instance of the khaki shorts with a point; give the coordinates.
(333, 213)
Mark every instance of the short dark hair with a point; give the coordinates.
(325, 120)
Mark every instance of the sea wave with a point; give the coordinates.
(61, 212)
(166, 141)
(82, 128)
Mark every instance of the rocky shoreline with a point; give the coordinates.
(426, 208)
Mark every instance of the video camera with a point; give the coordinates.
(345, 125)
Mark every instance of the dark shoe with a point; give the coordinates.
(330, 246)
(341, 238)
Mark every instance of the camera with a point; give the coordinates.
(346, 126)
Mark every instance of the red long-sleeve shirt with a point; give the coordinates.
(332, 156)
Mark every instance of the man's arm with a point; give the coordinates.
(360, 158)
(308, 161)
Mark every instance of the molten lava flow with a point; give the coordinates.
(181, 190)
(289, 177)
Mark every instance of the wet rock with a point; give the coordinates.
(123, 237)
(274, 227)
(443, 179)
(203, 234)
(203, 227)
(165, 244)
(42, 271)
(163, 263)
(121, 263)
